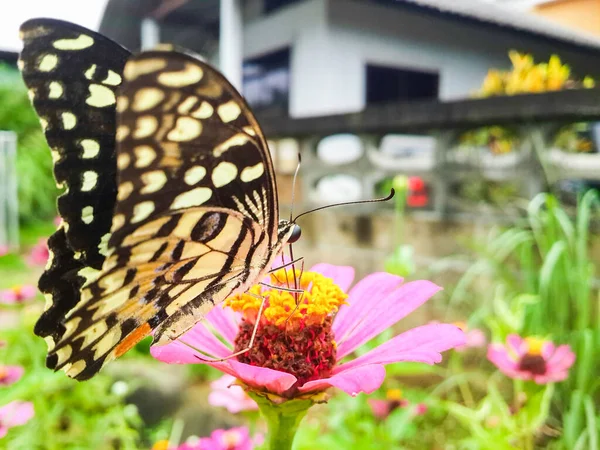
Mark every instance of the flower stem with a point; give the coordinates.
(282, 419)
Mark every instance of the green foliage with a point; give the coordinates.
(68, 414)
(36, 188)
(349, 423)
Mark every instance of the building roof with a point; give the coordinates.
(504, 16)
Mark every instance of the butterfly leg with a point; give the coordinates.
(252, 337)
(280, 288)
(287, 264)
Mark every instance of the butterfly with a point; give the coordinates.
(170, 202)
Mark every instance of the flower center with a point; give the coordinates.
(294, 334)
(534, 345)
(533, 361)
(18, 291)
(231, 439)
(535, 364)
(394, 394)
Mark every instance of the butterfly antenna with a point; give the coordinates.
(358, 202)
(294, 186)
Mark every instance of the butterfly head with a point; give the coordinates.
(289, 232)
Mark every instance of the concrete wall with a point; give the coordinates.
(333, 40)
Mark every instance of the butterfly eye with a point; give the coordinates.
(296, 233)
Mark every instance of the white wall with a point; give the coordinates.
(333, 40)
(303, 28)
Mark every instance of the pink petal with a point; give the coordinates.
(178, 353)
(380, 408)
(16, 413)
(421, 344)
(225, 322)
(238, 437)
(498, 355)
(551, 377)
(563, 359)
(262, 377)
(366, 378)
(420, 409)
(362, 298)
(562, 353)
(385, 313)
(341, 275)
(476, 338)
(11, 374)
(28, 291)
(234, 403)
(281, 260)
(8, 296)
(547, 350)
(517, 345)
(225, 393)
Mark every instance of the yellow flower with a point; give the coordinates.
(588, 82)
(493, 83)
(520, 61)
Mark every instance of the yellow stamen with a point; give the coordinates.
(535, 345)
(161, 445)
(321, 298)
(394, 394)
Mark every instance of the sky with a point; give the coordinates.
(83, 12)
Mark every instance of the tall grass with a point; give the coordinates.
(542, 283)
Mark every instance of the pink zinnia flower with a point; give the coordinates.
(231, 396)
(38, 256)
(3, 250)
(475, 337)
(232, 439)
(394, 400)
(14, 414)
(17, 294)
(532, 359)
(298, 347)
(10, 374)
(383, 408)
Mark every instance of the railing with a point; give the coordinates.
(9, 208)
(422, 138)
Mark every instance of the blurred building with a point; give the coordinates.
(314, 57)
(582, 15)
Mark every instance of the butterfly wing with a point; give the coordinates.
(72, 75)
(196, 214)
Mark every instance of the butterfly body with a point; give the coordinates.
(171, 202)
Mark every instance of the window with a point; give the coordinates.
(266, 81)
(389, 84)
(272, 5)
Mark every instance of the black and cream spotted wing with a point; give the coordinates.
(195, 218)
(72, 75)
